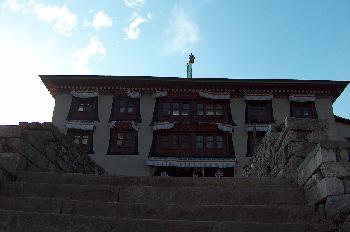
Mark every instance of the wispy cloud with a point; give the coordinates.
(134, 3)
(82, 56)
(62, 20)
(100, 20)
(13, 5)
(132, 31)
(181, 34)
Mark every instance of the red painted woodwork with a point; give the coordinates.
(122, 142)
(259, 112)
(125, 108)
(303, 109)
(192, 144)
(83, 138)
(83, 109)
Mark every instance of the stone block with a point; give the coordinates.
(338, 207)
(313, 161)
(10, 131)
(335, 169)
(313, 180)
(326, 187)
(305, 124)
(346, 183)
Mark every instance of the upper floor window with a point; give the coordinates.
(83, 109)
(123, 142)
(194, 110)
(259, 112)
(125, 109)
(83, 138)
(303, 109)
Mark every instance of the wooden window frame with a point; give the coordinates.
(115, 149)
(88, 148)
(267, 104)
(116, 115)
(250, 145)
(191, 141)
(310, 105)
(220, 110)
(76, 114)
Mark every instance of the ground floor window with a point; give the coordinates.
(194, 172)
(83, 138)
(123, 142)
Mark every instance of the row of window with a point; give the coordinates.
(129, 109)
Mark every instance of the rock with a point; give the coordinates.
(338, 207)
(326, 187)
(335, 169)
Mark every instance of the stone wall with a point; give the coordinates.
(300, 150)
(42, 148)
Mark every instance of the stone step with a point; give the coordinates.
(83, 179)
(47, 222)
(206, 195)
(238, 213)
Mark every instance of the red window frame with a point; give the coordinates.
(180, 144)
(123, 142)
(121, 109)
(187, 110)
(250, 142)
(82, 138)
(83, 109)
(259, 111)
(303, 109)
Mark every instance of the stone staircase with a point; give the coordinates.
(75, 202)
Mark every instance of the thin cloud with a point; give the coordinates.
(182, 33)
(59, 17)
(13, 5)
(82, 56)
(100, 20)
(133, 30)
(62, 20)
(134, 3)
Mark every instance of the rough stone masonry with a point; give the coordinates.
(41, 147)
(300, 150)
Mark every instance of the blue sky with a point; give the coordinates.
(295, 39)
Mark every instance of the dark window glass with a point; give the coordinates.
(122, 106)
(82, 138)
(303, 109)
(259, 111)
(210, 141)
(200, 109)
(123, 142)
(83, 109)
(166, 109)
(131, 107)
(164, 142)
(219, 109)
(219, 142)
(176, 108)
(199, 141)
(185, 141)
(209, 109)
(186, 109)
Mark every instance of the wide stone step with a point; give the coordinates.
(44, 222)
(203, 195)
(238, 213)
(83, 179)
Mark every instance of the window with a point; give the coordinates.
(219, 109)
(259, 112)
(200, 109)
(82, 138)
(251, 144)
(199, 141)
(209, 109)
(219, 142)
(303, 109)
(186, 109)
(125, 109)
(83, 109)
(123, 142)
(210, 142)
